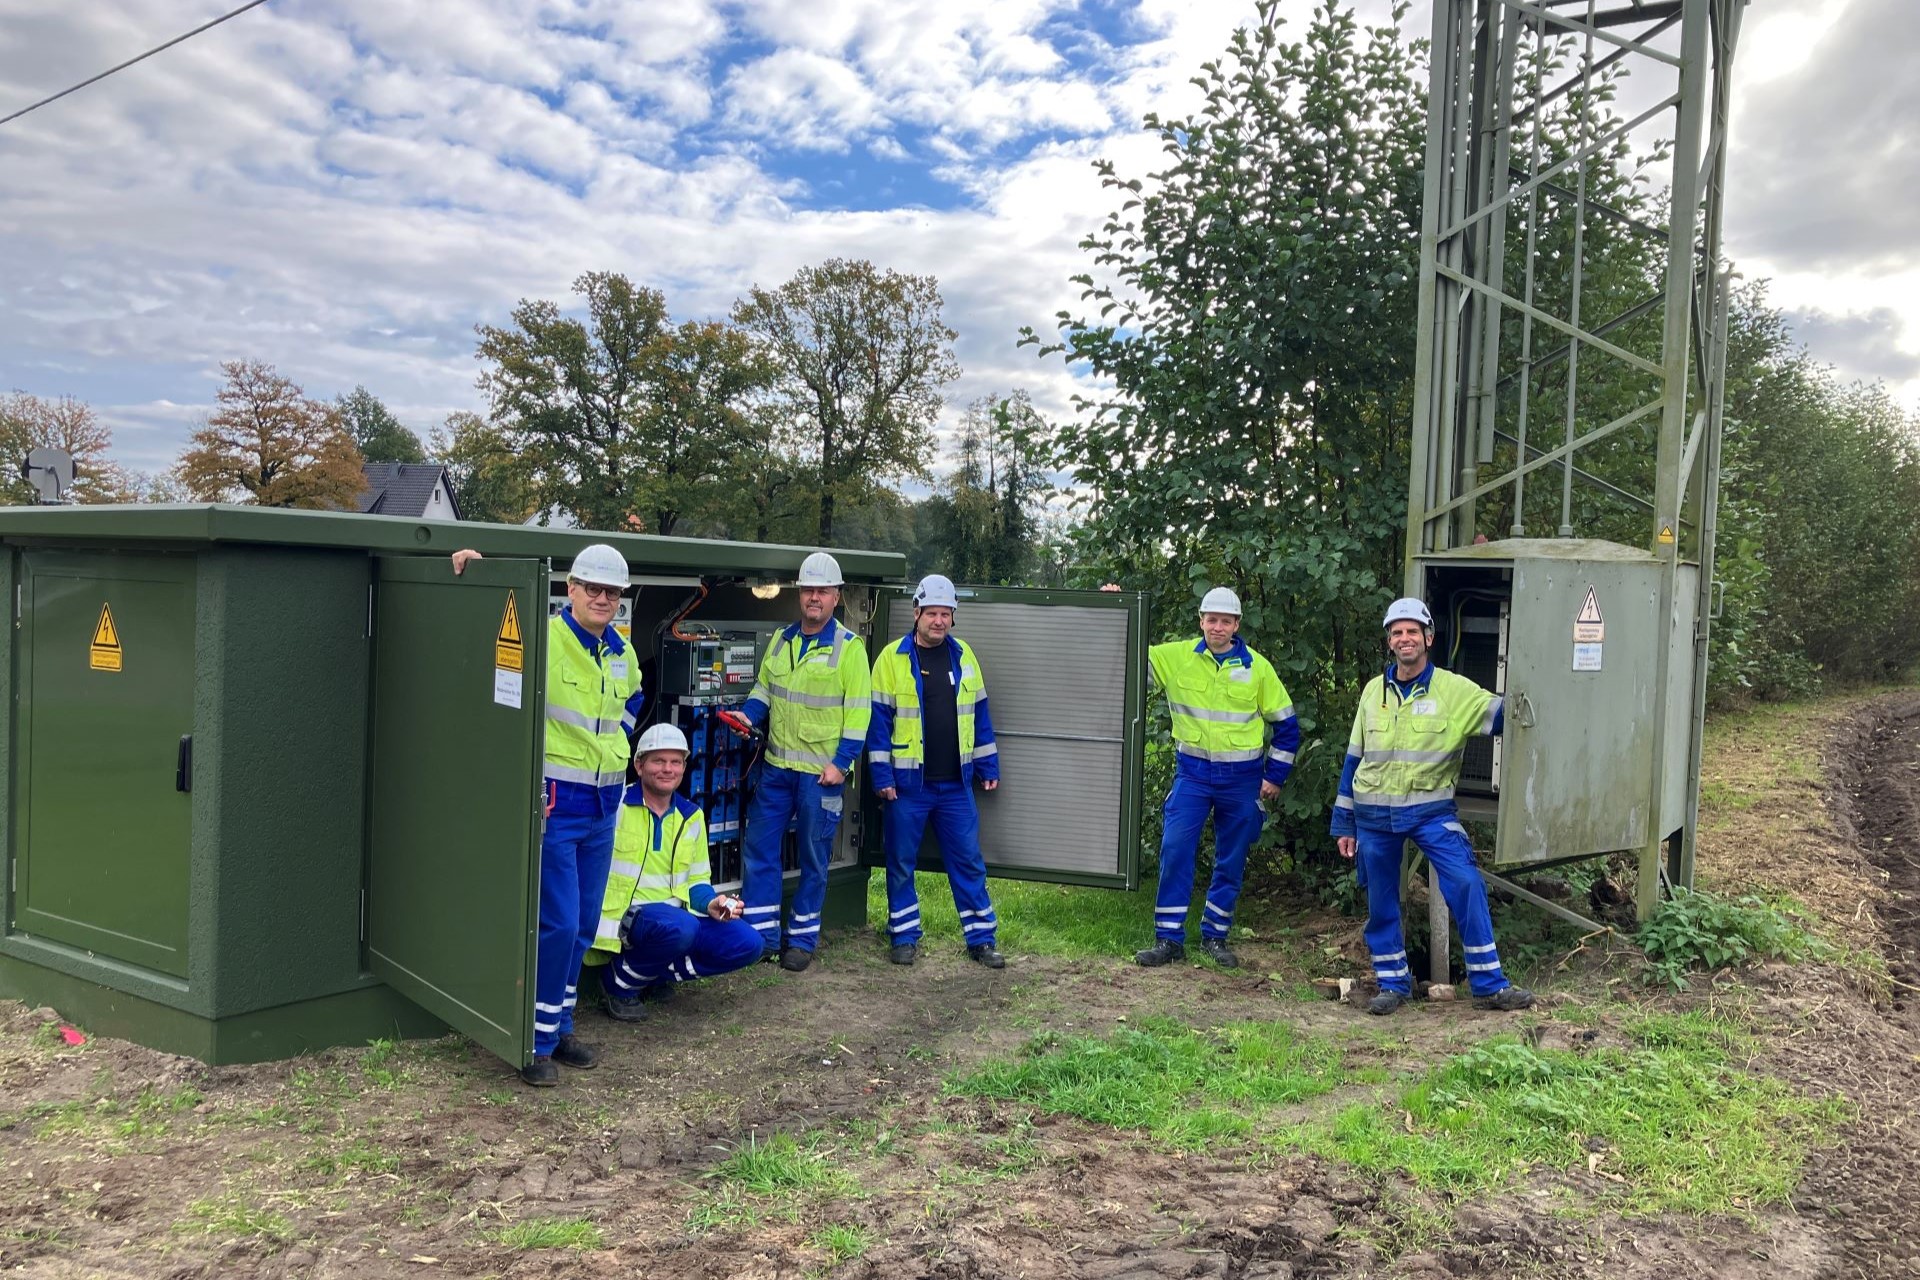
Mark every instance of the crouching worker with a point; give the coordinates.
(661, 919)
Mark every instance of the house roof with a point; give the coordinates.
(402, 488)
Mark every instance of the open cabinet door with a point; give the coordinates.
(459, 667)
(1066, 686)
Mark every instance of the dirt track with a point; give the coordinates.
(122, 1162)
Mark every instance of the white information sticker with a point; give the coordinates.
(1586, 657)
(506, 687)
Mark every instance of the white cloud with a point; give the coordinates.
(346, 189)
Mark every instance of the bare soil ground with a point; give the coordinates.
(418, 1160)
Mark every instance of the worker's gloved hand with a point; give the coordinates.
(736, 722)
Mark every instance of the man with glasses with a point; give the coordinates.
(812, 696)
(592, 707)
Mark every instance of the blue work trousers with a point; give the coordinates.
(575, 853)
(950, 809)
(781, 796)
(668, 943)
(1234, 801)
(1444, 842)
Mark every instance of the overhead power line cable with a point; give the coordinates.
(130, 61)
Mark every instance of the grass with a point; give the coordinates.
(232, 1217)
(1669, 1123)
(840, 1242)
(770, 1179)
(549, 1233)
(1185, 1088)
(1037, 919)
(358, 1156)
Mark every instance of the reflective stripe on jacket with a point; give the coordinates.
(589, 718)
(1403, 756)
(655, 859)
(895, 749)
(1221, 709)
(817, 705)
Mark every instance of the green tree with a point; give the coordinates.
(267, 443)
(1253, 317)
(861, 357)
(623, 420)
(985, 519)
(488, 476)
(376, 431)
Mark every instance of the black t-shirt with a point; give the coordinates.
(939, 721)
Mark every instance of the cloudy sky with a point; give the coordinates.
(345, 188)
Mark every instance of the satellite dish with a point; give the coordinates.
(50, 472)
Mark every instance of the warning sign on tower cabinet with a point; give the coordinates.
(1589, 633)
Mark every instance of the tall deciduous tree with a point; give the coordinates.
(862, 355)
(1254, 318)
(30, 422)
(380, 436)
(489, 478)
(266, 442)
(622, 416)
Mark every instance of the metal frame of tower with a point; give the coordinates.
(1487, 333)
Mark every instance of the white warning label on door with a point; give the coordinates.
(506, 687)
(1586, 657)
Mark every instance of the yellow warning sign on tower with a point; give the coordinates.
(1666, 535)
(104, 653)
(509, 652)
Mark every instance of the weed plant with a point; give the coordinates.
(1698, 930)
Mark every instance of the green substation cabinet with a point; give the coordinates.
(272, 779)
(1569, 632)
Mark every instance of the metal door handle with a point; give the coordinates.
(183, 764)
(1523, 711)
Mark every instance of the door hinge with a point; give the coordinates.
(18, 588)
(369, 611)
(363, 917)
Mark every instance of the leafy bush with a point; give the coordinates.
(1699, 930)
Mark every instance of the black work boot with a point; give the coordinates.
(541, 1073)
(1217, 950)
(1163, 951)
(905, 953)
(1386, 1002)
(986, 955)
(626, 1008)
(795, 959)
(1506, 1000)
(570, 1052)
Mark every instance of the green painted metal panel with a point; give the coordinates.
(1066, 683)
(454, 812)
(1580, 725)
(204, 523)
(103, 828)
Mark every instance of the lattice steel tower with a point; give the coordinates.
(1567, 406)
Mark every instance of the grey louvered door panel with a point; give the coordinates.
(1065, 685)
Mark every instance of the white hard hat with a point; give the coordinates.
(661, 737)
(1409, 609)
(601, 565)
(820, 570)
(935, 590)
(1221, 600)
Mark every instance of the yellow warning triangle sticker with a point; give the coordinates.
(105, 636)
(1666, 534)
(508, 650)
(1590, 611)
(104, 653)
